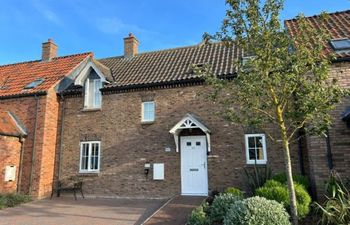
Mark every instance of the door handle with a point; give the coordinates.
(204, 165)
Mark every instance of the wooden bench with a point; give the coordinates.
(62, 187)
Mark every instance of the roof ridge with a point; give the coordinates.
(39, 60)
(163, 50)
(318, 15)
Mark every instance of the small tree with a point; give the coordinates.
(285, 82)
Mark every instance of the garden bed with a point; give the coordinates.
(11, 200)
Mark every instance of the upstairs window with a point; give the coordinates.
(148, 111)
(341, 44)
(93, 96)
(255, 148)
(90, 156)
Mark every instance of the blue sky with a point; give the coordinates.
(99, 26)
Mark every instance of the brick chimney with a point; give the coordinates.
(49, 50)
(131, 46)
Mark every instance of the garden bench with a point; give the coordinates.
(62, 187)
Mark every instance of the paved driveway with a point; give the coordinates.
(64, 210)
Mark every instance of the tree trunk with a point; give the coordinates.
(288, 167)
(292, 198)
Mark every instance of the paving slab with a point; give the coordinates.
(176, 211)
(65, 210)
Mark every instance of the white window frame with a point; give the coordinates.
(88, 170)
(143, 111)
(89, 95)
(256, 161)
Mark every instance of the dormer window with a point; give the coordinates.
(93, 96)
(340, 44)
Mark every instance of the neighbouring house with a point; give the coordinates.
(29, 112)
(333, 152)
(139, 124)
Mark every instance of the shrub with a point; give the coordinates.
(11, 200)
(212, 196)
(257, 176)
(220, 206)
(336, 209)
(274, 190)
(234, 191)
(256, 211)
(198, 215)
(278, 193)
(282, 178)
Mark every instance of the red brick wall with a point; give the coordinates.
(10, 149)
(46, 137)
(339, 139)
(127, 144)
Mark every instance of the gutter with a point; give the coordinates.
(300, 152)
(19, 181)
(34, 143)
(61, 137)
(20, 95)
(329, 151)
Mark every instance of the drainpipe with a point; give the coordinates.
(61, 136)
(34, 143)
(300, 151)
(19, 181)
(329, 151)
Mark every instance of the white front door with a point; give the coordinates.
(194, 173)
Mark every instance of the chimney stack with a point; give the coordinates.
(131, 45)
(49, 50)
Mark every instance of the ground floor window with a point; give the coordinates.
(90, 156)
(255, 148)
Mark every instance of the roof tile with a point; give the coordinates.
(14, 77)
(338, 24)
(171, 64)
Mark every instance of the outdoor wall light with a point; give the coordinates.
(147, 168)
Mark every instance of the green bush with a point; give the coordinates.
(234, 191)
(11, 200)
(198, 215)
(277, 191)
(221, 205)
(256, 211)
(336, 209)
(282, 178)
(257, 176)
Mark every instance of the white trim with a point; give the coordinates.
(189, 122)
(89, 157)
(205, 165)
(143, 111)
(250, 161)
(85, 72)
(91, 95)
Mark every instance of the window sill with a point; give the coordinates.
(147, 122)
(91, 109)
(249, 164)
(88, 174)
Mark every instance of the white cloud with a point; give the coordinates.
(114, 25)
(46, 12)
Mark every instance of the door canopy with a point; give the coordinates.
(189, 122)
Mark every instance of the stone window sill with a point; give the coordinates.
(90, 109)
(88, 174)
(147, 122)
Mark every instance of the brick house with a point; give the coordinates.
(139, 125)
(154, 133)
(29, 112)
(321, 155)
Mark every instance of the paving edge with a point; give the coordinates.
(165, 204)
